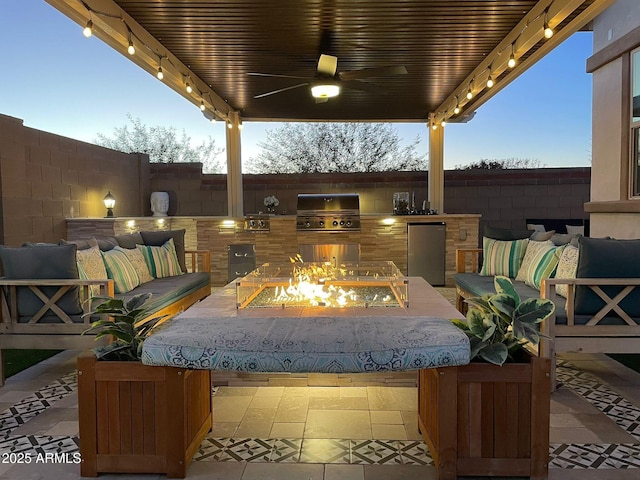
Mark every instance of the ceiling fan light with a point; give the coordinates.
(325, 90)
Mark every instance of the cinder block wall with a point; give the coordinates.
(45, 178)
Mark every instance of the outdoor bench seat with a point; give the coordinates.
(610, 325)
(40, 311)
(307, 345)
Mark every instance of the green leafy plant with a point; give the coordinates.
(125, 326)
(498, 325)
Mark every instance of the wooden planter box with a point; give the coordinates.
(485, 420)
(135, 418)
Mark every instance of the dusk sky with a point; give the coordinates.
(61, 82)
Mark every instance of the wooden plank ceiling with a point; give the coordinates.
(440, 42)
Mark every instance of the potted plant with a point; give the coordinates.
(491, 417)
(135, 418)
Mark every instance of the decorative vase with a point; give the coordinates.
(159, 204)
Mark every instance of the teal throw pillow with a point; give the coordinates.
(502, 258)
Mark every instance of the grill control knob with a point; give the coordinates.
(307, 224)
(335, 223)
(321, 223)
(261, 224)
(342, 223)
(348, 223)
(252, 223)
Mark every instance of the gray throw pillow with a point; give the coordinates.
(129, 240)
(506, 234)
(42, 262)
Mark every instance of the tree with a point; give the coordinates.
(335, 147)
(502, 164)
(162, 144)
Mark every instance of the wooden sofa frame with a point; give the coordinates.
(591, 337)
(68, 334)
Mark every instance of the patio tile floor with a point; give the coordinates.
(362, 433)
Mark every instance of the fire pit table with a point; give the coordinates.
(406, 327)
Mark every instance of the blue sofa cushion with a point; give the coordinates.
(42, 262)
(607, 258)
(167, 290)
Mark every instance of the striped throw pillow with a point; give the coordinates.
(539, 262)
(119, 269)
(161, 261)
(502, 257)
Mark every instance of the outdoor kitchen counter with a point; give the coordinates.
(215, 335)
(379, 238)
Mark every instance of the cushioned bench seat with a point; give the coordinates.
(478, 285)
(307, 344)
(165, 291)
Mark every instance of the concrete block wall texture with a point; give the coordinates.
(45, 178)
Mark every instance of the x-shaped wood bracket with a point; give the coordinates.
(611, 304)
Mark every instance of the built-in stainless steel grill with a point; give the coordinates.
(330, 212)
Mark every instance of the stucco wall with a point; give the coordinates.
(615, 34)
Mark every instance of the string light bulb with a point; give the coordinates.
(131, 49)
(512, 59)
(240, 125)
(456, 110)
(202, 107)
(490, 82)
(469, 93)
(189, 88)
(443, 123)
(160, 75)
(229, 125)
(434, 126)
(548, 31)
(88, 30)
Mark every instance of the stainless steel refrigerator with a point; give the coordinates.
(426, 251)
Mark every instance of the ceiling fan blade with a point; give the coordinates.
(365, 87)
(327, 65)
(373, 72)
(273, 92)
(256, 74)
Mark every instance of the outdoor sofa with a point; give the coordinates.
(46, 288)
(596, 294)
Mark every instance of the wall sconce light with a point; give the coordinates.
(109, 203)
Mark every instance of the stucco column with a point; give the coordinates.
(436, 168)
(234, 167)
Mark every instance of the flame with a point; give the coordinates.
(309, 285)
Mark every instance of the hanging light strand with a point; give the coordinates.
(469, 93)
(133, 41)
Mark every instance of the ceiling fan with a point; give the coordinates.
(328, 82)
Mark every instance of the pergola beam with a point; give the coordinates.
(110, 24)
(527, 33)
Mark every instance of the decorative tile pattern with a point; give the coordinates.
(210, 449)
(595, 456)
(368, 452)
(620, 410)
(324, 450)
(414, 453)
(246, 450)
(286, 450)
(375, 452)
(36, 403)
(34, 445)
